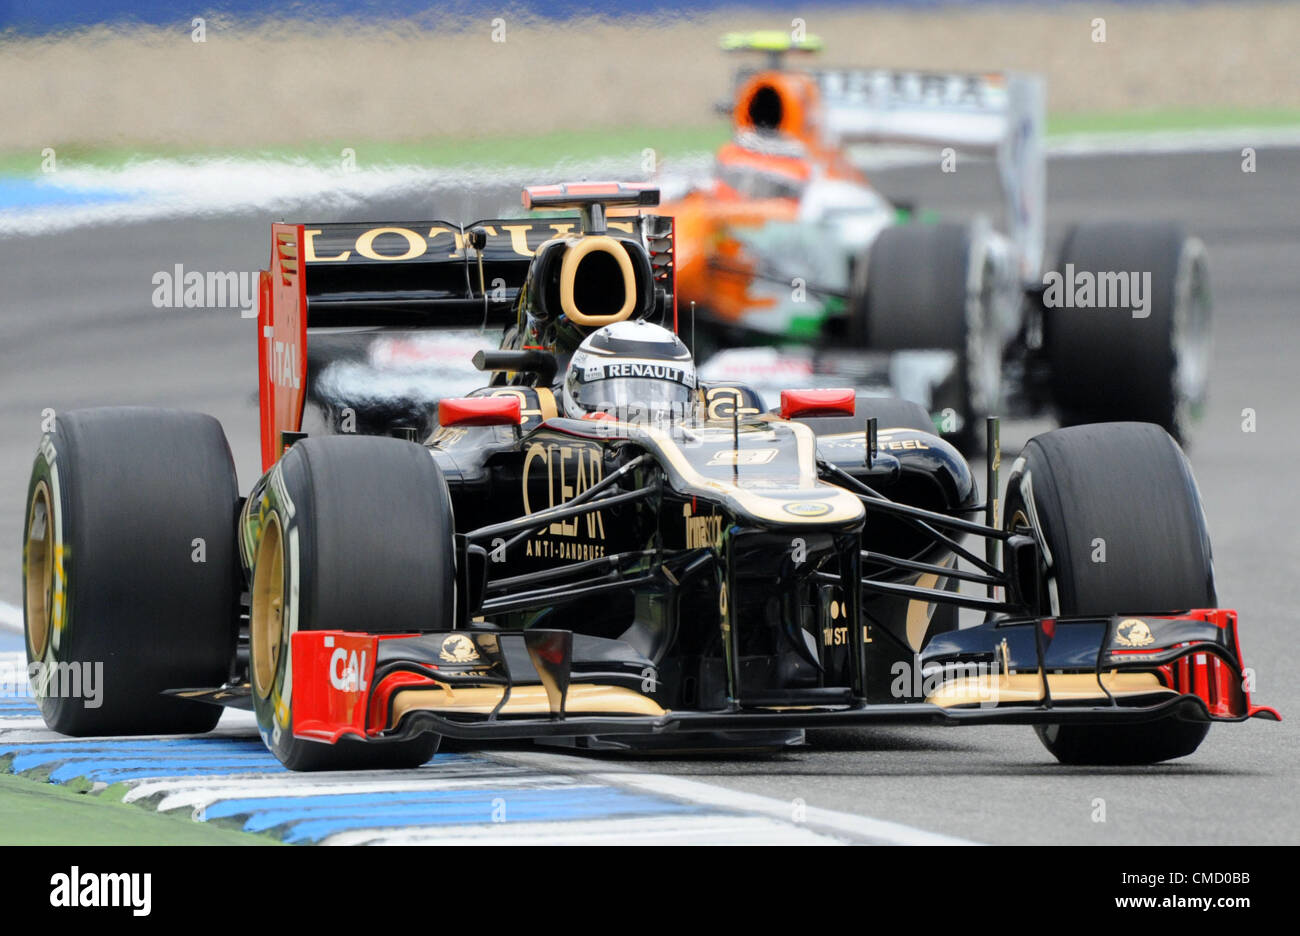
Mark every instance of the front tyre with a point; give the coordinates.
(1117, 511)
(355, 534)
(129, 570)
(1122, 745)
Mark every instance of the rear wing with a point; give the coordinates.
(1001, 114)
(424, 275)
(410, 276)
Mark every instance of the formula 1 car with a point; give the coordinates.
(598, 548)
(786, 243)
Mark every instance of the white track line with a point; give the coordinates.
(652, 830)
(879, 831)
(875, 830)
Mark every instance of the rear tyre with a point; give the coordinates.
(364, 526)
(130, 571)
(1078, 489)
(932, 286)
(1108, 365)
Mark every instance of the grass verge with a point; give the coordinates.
(548, 149)
(34, 813)
(1160, 121)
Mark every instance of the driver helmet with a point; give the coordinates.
(630, 370)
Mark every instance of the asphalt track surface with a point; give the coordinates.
(77, 329)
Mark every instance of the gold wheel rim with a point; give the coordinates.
(38, 564)
(266, 616)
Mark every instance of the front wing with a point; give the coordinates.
(521, 684)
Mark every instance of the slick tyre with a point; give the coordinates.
(1117, 362)
(130, 571)
(1127, 489)
(354, 533)
(931, 286)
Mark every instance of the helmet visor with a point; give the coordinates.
(622, 396)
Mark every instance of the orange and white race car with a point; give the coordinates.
(786, 244)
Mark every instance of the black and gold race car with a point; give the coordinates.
(598, 548)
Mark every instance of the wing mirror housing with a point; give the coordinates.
(480, 411)
(801, 403)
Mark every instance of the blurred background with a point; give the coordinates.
(108, 74)
(139, 137)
